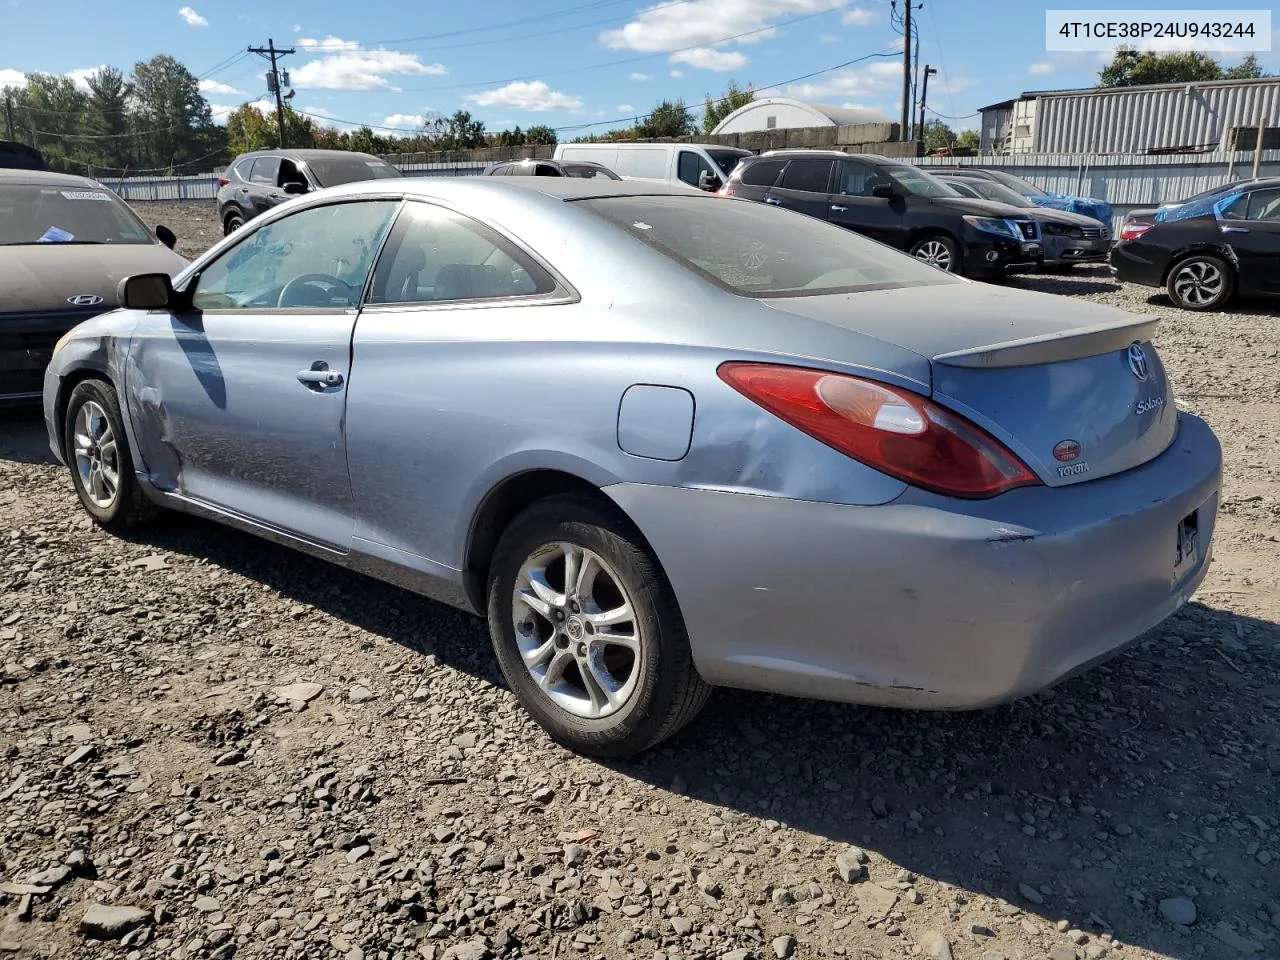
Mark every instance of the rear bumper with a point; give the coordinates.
(930, 602)
(1135, 262)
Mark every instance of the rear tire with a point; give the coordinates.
(939, 250)
(1201, 282)
(233, 222)
(600, 659)
(96, 449)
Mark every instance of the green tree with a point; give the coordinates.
(969, 139)
(713, 111)
(106, 120)
(938, 135)
(1246, 69)
(670, 118)
(540, 134)
(171, 117)
(249, 130)
(1129, 68)
(51, 110)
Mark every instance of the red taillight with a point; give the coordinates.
(1132, 231)
(892, 430)
(223, 181)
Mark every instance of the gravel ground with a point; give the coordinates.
(214, 747)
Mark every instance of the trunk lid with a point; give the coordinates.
(1074, 389)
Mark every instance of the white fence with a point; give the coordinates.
(1123, 180)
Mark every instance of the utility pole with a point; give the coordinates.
(906, 70)
(8, 116)
(924, 94)
(273, 79)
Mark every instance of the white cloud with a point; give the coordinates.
(404, 121)
(221, 111)
(81, 76)
(192, 18)
(218, 88)
(639, 77)
(677, 74)
(674, 26)
(624, 108)
(535, 97)
(829, 38)
(1040, 68)
(297, 28)
(329, 43)
(12, 78)
(708, 58)
(858, 84)
(362, 70)
(858, 17)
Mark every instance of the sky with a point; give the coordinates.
(578, 66)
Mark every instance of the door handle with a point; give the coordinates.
(836, 208)
(773, 200)
(1235, 229)
(320, 376)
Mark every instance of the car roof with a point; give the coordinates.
(45, 177)
(303, 154)
(555, 188)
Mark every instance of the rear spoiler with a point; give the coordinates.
(1073, 344)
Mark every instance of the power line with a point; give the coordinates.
(223, 64)
(540, 18)
(272, 53)
(618, 63)
(945, 116)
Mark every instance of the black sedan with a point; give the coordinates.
(1208, 250)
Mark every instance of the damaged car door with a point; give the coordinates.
(239, 400)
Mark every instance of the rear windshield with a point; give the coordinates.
(990, 190)
(71, 213)
(332, 171)
(756, 251)
(1024, 187)
(589, 171)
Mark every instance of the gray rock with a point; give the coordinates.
(1062, 951)
(111, 923)
(707, 884)
(783, 897)
(359, 694)
(575, 854)
(992, 955)
(736, 955)
(849, 865)
(207, 905)
(53, 877)
(1178, 910)
(784, 946)
(471, 950)
(298, 692)
(356, 854)
(1030, 894)
(268, 928)
(682, 926)
(935, 946)
(1226, 935)
(80, 755)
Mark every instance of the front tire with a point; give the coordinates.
(232, 223)
(938, 250)
(587, 633)
(97, 453)
(1200, 282)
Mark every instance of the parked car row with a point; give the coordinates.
(492, 402)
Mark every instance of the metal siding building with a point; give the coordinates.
(1130, 119)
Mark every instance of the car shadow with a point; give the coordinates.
(23, 436)
(1088, 803)
(1070, 284)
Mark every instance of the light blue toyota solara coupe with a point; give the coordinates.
(662, 440)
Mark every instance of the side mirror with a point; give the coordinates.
(166, 236)
(883, 191)
(294, 188)
(708, 180)
(145, 291)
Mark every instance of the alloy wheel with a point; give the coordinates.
(97, 457)
(935, 253)
(577, 630)
(1198, 282)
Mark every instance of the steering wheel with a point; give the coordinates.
(309, 278)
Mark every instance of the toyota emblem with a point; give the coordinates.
(1066, 451)
(1137, 358)
(85, 300)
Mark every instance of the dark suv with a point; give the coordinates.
(256, 182)
(894, 203)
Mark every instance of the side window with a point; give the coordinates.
(1237, 209)
(289, 173)
(242, 169)
(812, 176)
(435, 255)
(1265, 205)
(690, 165)
(266, 170)
(316, 258)
(546, 170)
(857, 179)
(762, 173)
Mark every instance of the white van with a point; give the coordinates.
(699, 166)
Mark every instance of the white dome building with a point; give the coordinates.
(783, 113)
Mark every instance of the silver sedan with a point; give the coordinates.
(663, 440)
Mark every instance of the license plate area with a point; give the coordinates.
(1187, 554)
